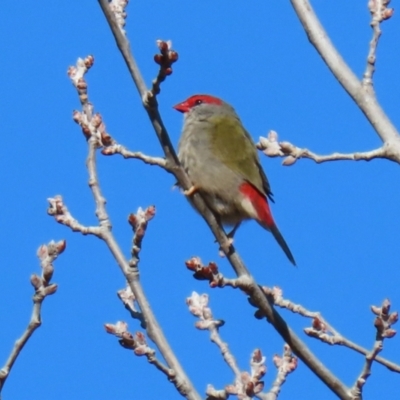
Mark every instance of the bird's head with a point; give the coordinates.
(203, 106)
(198, 102)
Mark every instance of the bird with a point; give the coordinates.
(221, 160)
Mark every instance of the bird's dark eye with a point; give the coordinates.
(198, 101)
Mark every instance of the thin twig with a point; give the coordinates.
(272, 148)
(93, 125)
(246, 385)
(285, 365)
(198, 306)
(383, 324)
(124, 152)
(138, 344)
(211, 274)
(43, 288)
(139, 223)
(165, 60)
(379, 13)
(59, 211)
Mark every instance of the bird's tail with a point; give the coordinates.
(268, 223)
(264, 216)
(282, 242)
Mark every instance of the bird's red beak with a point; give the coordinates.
(182, 107)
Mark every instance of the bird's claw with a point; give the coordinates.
(191, 191)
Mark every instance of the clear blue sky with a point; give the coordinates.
(341, 219)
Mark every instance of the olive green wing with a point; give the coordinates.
(265, 181)
(233, 145)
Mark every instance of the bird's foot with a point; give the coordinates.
(191, 191)
(230, 236)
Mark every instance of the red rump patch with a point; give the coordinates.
(260, 203)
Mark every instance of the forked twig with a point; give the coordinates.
(321, 329)
(360, 91)
(43, 288)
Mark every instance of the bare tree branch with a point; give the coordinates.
(138, 344)
(246, 385)
(139, 223)
(108, 143)
(165, 60)
(124, 152)
(252, 289)
(285, 365)
(321, 329)
(272, 148)
(379, 12)
(43, 288)
(93, 129)
(61, 214)
(198, 306)
(363, 95)
(383, 324)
